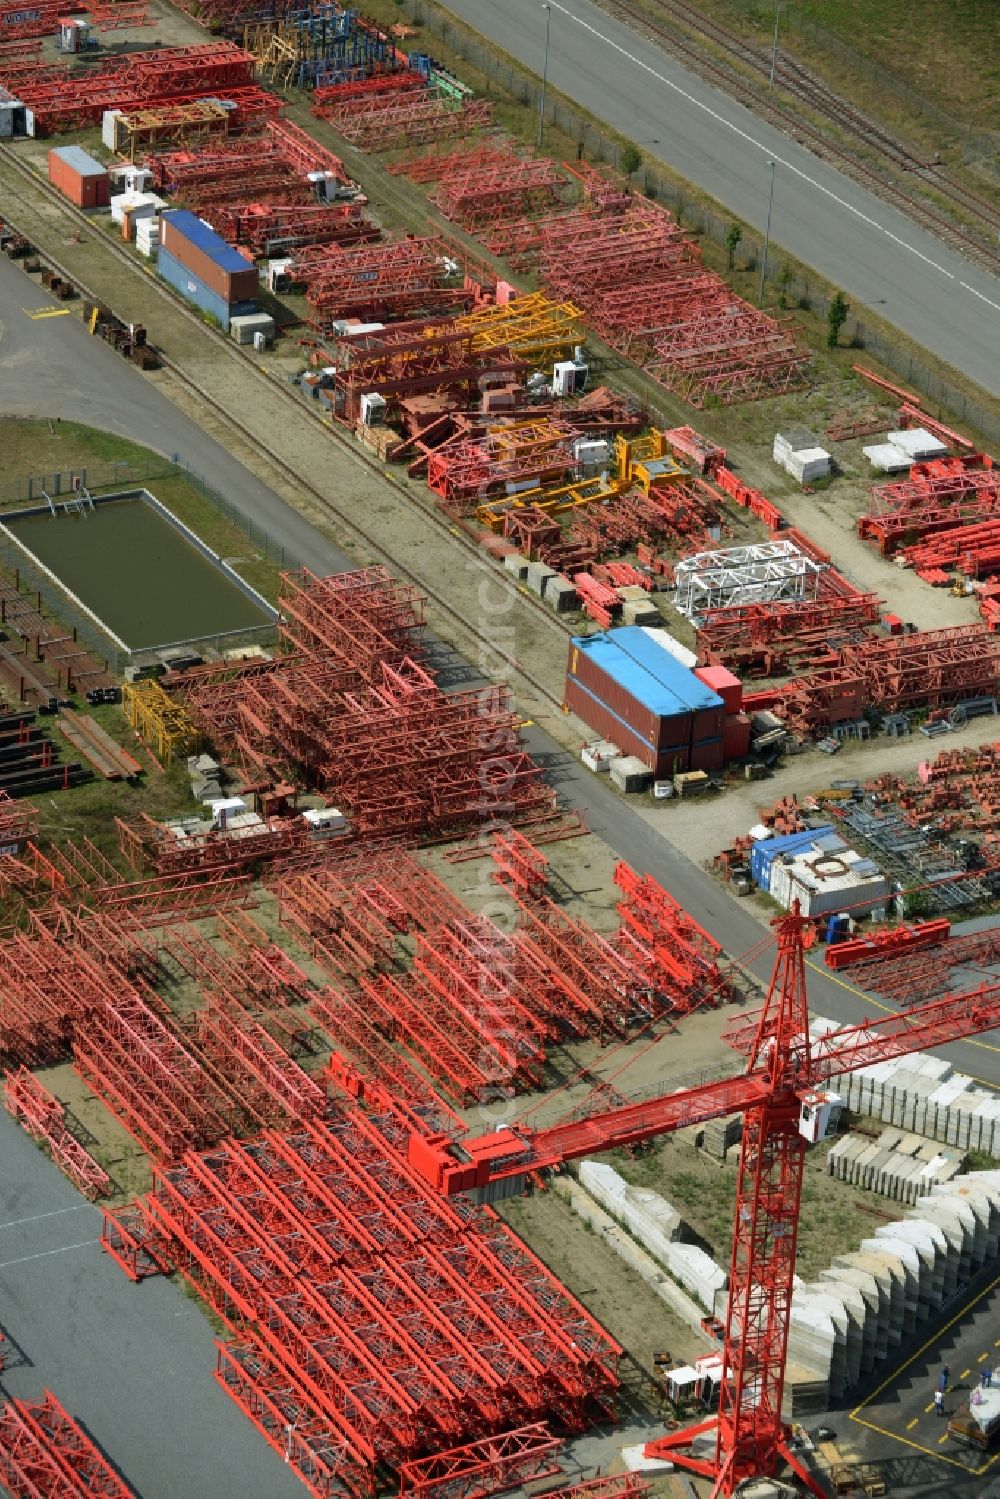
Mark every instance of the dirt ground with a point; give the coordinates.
(615, 1294)
(703, 1190)
(708, 824)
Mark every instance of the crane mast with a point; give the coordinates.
(750, 1437)
(785, 1109)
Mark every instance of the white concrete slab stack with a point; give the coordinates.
(658, 1227)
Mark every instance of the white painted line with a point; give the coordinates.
(980, 295)
(83, 1244)
(770, 155)
(56, 1213)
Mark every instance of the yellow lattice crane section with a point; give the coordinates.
(533, 327)
(645, 460)
(276, 47)
(160, 721)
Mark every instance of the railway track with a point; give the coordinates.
(814, 95)
(457, 539)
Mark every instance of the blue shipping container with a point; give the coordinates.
(194, 290)
(647, 671)
(764, 853)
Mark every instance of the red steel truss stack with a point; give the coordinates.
(389, 1321)
(679, 958)
(446, 1010)
(934, 505)
(399, 278)
(18, 823)
(488, 1466)
(933, 669)
(257, 190)
(641, 284)
(417, 359)
(40, 1113)
(354, 714)
(466, 473)
(384, 121)
(791, 634)
(477, 198)
(136, 80)
(45, 1454)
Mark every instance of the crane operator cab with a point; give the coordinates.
(819, 1114)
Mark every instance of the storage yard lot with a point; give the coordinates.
(384, 981)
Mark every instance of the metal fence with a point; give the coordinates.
(598, 145)
(33, 580)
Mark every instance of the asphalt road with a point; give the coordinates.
(133, 1363)
(897, 1425)
(136, 1362)
(51, 366)
(877, 256)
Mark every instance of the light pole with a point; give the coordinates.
(774, 44)
(545, 75)
(767, 237)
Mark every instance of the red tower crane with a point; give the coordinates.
(785, 1109)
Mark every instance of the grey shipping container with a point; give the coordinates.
(194, 290)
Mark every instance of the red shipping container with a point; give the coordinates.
(708, 755)
(736, 737)
(606, 723)
(655, 728)
(79, 177)
(197, 247)
(725, 683)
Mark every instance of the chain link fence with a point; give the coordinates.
(595, 144)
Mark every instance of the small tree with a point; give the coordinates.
(836, 318)
(784, 282)
(630, 160)
(734, 235)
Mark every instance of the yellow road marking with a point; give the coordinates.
(911, 1424)
(965, 1374)
(35, 313)
(526, 723)
(883, 1431)
(928, 1408)
(982, 1358)
(891, 1378)
(942, 1440)
(889, 1010)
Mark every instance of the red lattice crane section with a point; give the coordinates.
(354, 712)
(391, 1321)
(784, 1106)
(46, 1454)
(137, 80)
(488, 1466)
(40, 1113)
